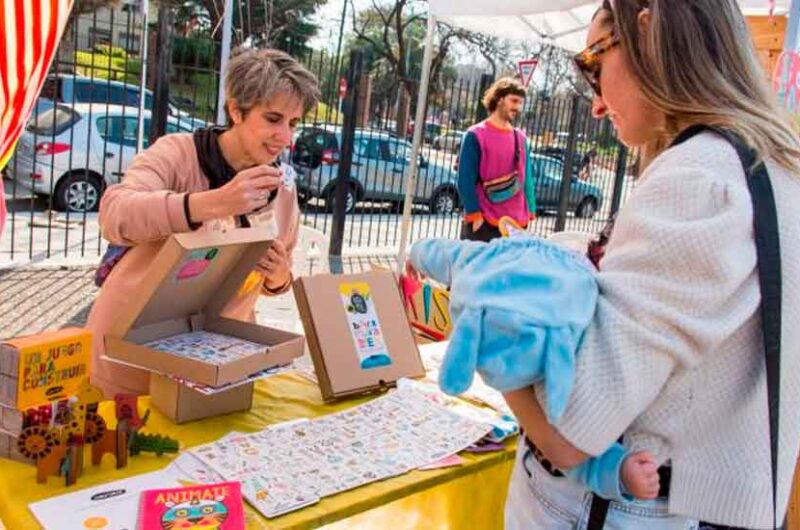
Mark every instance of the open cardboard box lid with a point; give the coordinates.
(187, 286)
(340, 369)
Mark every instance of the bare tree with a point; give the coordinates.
(496, 52)
(388, 29)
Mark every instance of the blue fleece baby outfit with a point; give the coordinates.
(519, 307)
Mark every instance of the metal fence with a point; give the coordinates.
(560, 131)
(84, 133)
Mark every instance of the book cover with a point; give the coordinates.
(202, 507)
(46, 367)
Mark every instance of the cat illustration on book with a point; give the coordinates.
(195, 515)
(199, 507)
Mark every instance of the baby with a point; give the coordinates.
(519, 307)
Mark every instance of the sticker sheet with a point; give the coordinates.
(207, 347)
(294, 464)
(433, 356)
(362, 319)
(187, 468)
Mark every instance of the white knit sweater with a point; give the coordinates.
(674, 356)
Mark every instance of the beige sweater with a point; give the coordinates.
(674, 356)
(141, 212)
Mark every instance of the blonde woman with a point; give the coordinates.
(674, 359)
(207, 180)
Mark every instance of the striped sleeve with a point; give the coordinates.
(31, 32)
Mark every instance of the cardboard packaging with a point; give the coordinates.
(49, 366)
(358, 336)
(10, 420)
(8, 448)
(186, 289)
(181, 403)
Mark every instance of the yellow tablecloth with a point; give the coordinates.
(469, 497)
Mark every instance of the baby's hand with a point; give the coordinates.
(639, 475)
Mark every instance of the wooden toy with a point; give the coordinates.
(113, 442)
(152, 443)
(54, 435)
(126, 408)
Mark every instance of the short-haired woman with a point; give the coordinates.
(208, 180)
(674, 360)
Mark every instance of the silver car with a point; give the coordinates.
(378, 174)
(73, 152)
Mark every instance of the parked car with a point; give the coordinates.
(379, 171)
(578, 159)
(70, 89)
(450, 141)
(73, 152)
(584, 199)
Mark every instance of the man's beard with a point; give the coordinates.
(509, 115)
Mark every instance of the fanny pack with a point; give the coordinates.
(109, 260)
(503, 188)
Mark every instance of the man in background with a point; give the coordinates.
(495, 176)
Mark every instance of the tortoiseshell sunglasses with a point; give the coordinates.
(588, 61)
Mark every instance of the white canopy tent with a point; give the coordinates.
(560, 22)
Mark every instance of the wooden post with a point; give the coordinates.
(793, 522)
(768, 35)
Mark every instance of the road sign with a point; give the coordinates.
(342, 87)
(526, 68)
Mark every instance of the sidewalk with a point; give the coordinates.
(34, 299)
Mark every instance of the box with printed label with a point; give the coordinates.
(358, 334)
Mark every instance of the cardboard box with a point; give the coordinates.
(186, 288)
(5, 444)
(9, 363)
(10, 420)
(14, 454)
(8, 449)
(358, 336)
(181, 404)
(49, 366)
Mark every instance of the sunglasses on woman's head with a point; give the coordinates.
(588, 61)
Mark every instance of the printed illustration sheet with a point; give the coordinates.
(294, 464)
(208, 347)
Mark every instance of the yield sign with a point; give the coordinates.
(526, 69)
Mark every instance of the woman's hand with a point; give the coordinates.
(276, 266)
(248, 191)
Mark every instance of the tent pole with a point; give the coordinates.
(419, 129)
(143, 80)
(225, 58)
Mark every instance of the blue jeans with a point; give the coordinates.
(538, 501)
